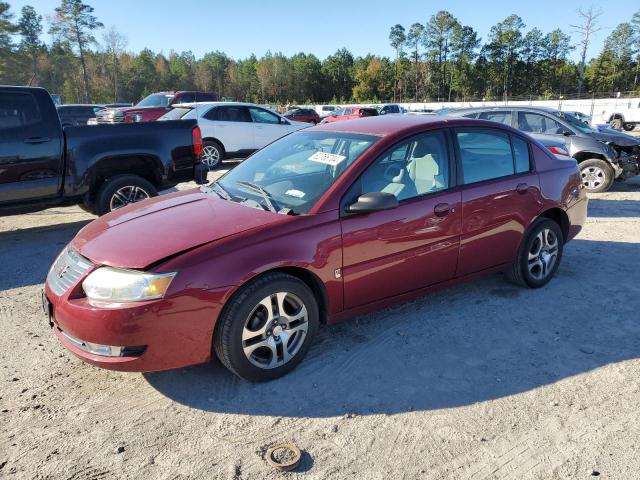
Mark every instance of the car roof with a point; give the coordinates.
(212, 104)
(398, 124)
(503, 107)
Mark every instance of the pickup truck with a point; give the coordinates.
(102, 168)
(152, 107)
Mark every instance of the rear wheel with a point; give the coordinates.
(629, 126)
(122, 190)
(267, 328)
(539, 255)
(211, 154)
(597, 175)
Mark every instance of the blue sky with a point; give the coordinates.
(242, 27)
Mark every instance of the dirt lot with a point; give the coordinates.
(481, 381)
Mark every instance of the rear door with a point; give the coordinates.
(30, 149)
(231, 125)
(500, 196)
(267, 126)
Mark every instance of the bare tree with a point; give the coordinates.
(587, 27)
(115, 43)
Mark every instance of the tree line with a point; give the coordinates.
(441, 59)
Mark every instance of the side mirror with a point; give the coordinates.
(373, 202)
(567, 133)
(382, 112)
(283, 121)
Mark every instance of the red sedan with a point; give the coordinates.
(350, 113)
(321, 225)
(308, 115)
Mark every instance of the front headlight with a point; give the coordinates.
(107, 284)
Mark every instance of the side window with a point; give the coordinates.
(521, 155)
(231, 114)
(347, 111)
(414, 167)
(186, 98)
(471, 115)
(536, 123)
(18, 110)
(258, 115)
(484, 155)
(500, 117)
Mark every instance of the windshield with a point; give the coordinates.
(155, 100)
(574, 121)
(296, 170)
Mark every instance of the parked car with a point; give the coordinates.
(308, 115)
(232, 129)
(152, 107)
(323, 224)
(102, 167)
(421, 111)
(74, 115)
(602, 156)
(583, 117)
(350, 113)
(326, 110)
(390, 108)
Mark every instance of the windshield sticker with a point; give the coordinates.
(295, 193)
(332, 159)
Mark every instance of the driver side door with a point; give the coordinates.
(391, 252)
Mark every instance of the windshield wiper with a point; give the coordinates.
(222, 193)
(263, 193)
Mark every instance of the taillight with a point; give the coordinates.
(196, 140)
(558, 151)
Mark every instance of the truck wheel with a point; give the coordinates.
(628, 127)
(616, 123)
(597, 175)
(212, 154)
(122, 190)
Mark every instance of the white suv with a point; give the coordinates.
(232, 130)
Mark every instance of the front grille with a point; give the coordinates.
(67, 270)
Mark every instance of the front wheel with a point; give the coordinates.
(122, 190)
(597, 175)
(539, 255)
(267, 327)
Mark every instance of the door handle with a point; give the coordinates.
(260, 127)
(522, 188)
(442, 209)
(34, 140)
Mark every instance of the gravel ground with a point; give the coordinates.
(481, 381)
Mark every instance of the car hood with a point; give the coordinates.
(617, 138)
(142, 234)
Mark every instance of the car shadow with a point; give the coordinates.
(28, 253)
(471, 343)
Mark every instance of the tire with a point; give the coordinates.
(597, 175)
(538, 259)
(616, 123)
(122, 190)
(628, 127)
(212, 154)
(246, 315)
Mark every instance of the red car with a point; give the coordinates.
(350, 113)
(152, 107)
(308, 115)
(321, 225)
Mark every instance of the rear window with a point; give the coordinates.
(368, 112)
(175, 113)
(484, 155)
(500, 117)
(17, 110)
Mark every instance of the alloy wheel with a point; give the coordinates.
(210, 156)
(275, 330)
(543, 254)
(126, 195)
(593, 177)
